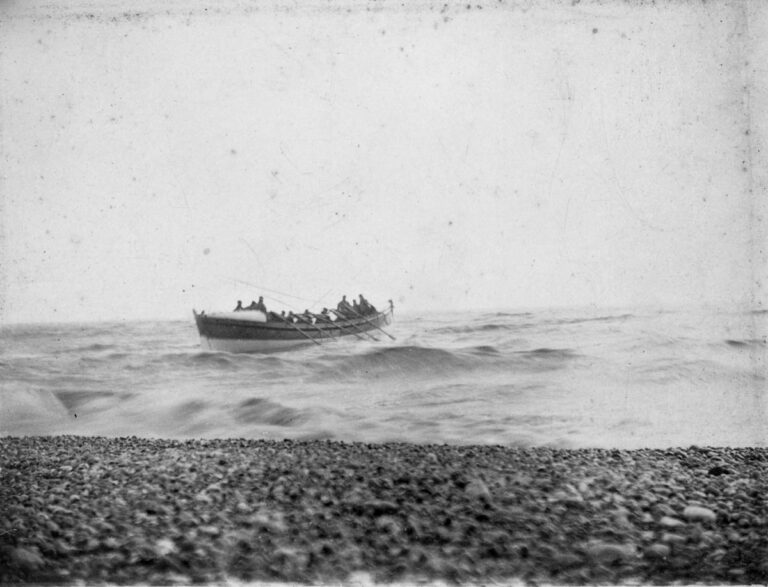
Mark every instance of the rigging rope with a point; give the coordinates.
(280, 293)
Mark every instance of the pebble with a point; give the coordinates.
(164, 547)
(699, 514)
(673, 538)
(380, 507)
(718, 470)
(476, 488)
(608, 553)
(565, 560)
(668, 522)
(657, 550)
(163, 511)
(26, 559)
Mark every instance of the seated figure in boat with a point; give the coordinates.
(344, 308)
(252, 306)
(355, 308)
(274, 316)
(260, 305)
(366, 307)
(291, 317)
(323, 316)
(239, 307)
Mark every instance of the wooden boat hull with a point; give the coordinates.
(233, 335)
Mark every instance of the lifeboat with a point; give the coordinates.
(253, 331)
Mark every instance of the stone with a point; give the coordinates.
(476, 488)
(657, 551)
(696, 513)
(665, 510)
(110, 543)
(609, 553)
(242, 507)
(566, 560)
(164, 547)
(26, 559)
(718, 470)
(379, 507)
(203, 498)
(673, 538)
(271, 521)
(671, 523)
(388, 525)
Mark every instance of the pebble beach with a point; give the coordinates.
(130, 510)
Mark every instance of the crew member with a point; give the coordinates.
(252, 306)
(344, 308)
(260, 305)
(239, 307)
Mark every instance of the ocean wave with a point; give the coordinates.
(90, 348)
(400, 360)
(475, 328)
(745, 342)
(607, 318)
(186, 360)
(484, 349)
(259, 410)
(547, 353)
(438, 362)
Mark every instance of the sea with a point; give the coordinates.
(556, 378)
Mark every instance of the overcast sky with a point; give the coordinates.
(502, 154)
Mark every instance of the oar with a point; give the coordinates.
(371, 323)
(342, 317)
(307, 321)
(304, 334)
(332, 325)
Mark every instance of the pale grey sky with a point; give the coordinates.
(505, 155)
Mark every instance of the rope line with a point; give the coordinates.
(274, 291)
